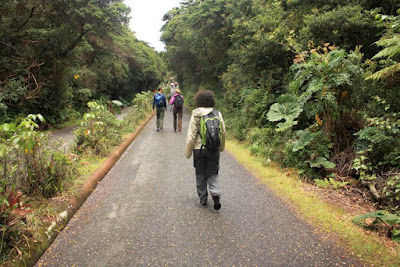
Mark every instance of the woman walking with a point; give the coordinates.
(206, 156)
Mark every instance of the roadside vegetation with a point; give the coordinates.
(39, 176)
(310, 85)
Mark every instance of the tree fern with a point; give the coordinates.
(385, 72)
(391, 50)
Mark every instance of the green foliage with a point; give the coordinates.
(362, 165)
(391, 191)
(29, 160)
(383, 218)
(259, 140)
(346, 26)
(56, 64)
(98, 131)
(13, 229)
(390, 43)
(142, 106)
(321, 162)
(330, 182)
(327, 82)
(287, 110)
(381, 138)
(310, 153)
(237, 125)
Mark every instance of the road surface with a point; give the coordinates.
(146, 213)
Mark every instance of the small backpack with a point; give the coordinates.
(159, 100)
(178, 102)
(210, 130)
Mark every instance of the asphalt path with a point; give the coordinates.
(146, 212)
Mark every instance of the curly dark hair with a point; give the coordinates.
(205, 99)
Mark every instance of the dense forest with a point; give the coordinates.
(312, 85)
(55, 56)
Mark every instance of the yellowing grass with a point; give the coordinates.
(325, 217)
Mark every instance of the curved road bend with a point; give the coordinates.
(146, 213)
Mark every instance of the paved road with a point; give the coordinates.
(146, 213)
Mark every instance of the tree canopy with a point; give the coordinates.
(57, 55)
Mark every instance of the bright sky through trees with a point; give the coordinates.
(147, 17)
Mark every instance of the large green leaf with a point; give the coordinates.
(321, 162)
(286, 111)
(283, 126)
(305, 139)
(383, 215)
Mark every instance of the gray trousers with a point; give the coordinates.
(213, 185)
(160, 118)
(206, 164)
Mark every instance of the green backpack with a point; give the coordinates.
(211, 130)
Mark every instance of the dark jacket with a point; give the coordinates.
(163, 100)
(171, 102)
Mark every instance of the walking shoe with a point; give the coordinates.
(204, 203)
(217, 205)
(158, 129)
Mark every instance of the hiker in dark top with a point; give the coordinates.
(206, 161)
(177, 102)
(160, 103)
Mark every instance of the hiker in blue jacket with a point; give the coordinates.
(160, 102)
(177, 102)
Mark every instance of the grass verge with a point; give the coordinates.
(369, 247)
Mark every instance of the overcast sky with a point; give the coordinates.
(146, 19)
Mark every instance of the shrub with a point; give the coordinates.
(262, 142)
(30, 161)
(236, 123)
(142, 105)
(98, 131)
(13, 229)
(309, 152)
(391, 191)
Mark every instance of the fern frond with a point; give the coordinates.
(384, 72)
(392, 41)
(388, 52)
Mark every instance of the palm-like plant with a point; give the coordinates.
(391, 48)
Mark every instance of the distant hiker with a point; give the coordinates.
(172, 88)
(206, 139)
(160, 103)
(172, 93)
(177, 102)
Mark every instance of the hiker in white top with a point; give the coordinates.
(206, 160)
